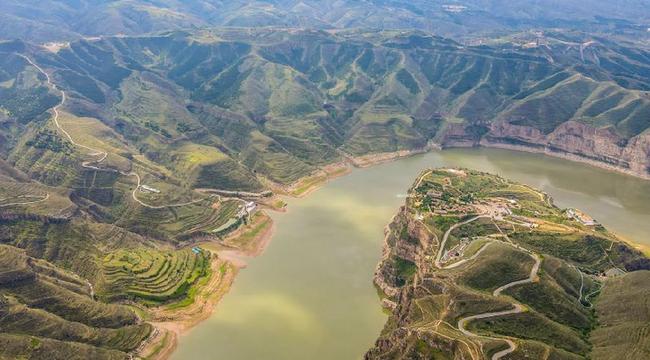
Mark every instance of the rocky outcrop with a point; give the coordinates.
(458, 135)
(576, 141)
(408, 240)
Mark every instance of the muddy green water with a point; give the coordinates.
(310, 295)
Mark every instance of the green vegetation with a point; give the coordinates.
(534, 327)
(549, 299)
(622, 310)
(283, 114)
(153, 277)
(48, 139)
(405, 270)
(43, 308)
(404, 77)
(497, 265)
(192, 114)
(513, 265)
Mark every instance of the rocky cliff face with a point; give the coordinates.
(574, 140)
(459, 268)
(407, 241)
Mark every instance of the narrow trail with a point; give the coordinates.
(532, 277)
(461, 262)
(102, 155)
(582, 284)
(511, 344)
(517, 308)
(92, 289)
(237, 193)
(584, 299)
(42, 199)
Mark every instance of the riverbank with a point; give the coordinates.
(254, 239)
(561, 155)
(314, 181)
(174, 320)
(375, 159)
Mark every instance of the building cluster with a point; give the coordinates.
(581, 217)
(149, 189)
(247, 209)
(440, 206)
(457, 250)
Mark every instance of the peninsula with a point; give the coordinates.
(479, 267)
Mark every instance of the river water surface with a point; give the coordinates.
(310, 295)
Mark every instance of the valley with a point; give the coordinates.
(199, 179)
(333, 237)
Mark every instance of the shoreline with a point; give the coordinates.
(560, 155)
(170, 324)
(306, 185)
(236, 257)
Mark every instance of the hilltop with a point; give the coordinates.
(477, 266)
(249, 109)
(119, 155)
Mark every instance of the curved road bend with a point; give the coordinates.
(444, 238)
(517, 308)
(103, 155)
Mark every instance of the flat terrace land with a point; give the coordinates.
(153, 277)
(624, 316)
(495, 270)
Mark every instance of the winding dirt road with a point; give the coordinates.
(441, 249)
(517, 308)
(461, 262)
(102, 155)
(42, 198)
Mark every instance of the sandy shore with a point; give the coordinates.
(229, 256)
(314, 181)
(170, 323)
(374, 159)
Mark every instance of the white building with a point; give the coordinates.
(147, 188)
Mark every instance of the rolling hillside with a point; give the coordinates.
(235, 109)
(117, 152)
(476, 266)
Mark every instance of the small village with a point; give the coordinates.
(579, 216)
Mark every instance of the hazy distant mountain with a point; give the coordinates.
(66, 19)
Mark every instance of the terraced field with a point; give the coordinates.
(33, 198)
(40, 304)
(480, 267)
(152, 277)
(196, 218)
(625, 330)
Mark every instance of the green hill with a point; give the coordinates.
(260, 105)
(160, 138)
(41, 305)
(495, 267)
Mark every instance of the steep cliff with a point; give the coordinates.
(577, 141)
(478, 267)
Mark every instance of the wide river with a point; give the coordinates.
(310, 295)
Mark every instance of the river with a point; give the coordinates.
(310, 295)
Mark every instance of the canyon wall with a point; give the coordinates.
(572, 140)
